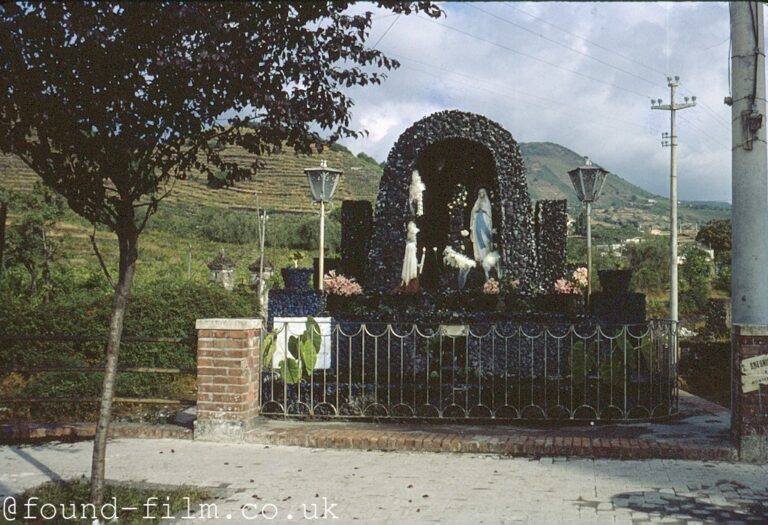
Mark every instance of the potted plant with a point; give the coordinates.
(568, 296)
(514, 300)
(296, 278)
(340, 290)
(489, 300)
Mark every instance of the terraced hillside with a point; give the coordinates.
(282, 185)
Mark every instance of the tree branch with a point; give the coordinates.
(99, 257)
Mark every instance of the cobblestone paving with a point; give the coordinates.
(253, 482)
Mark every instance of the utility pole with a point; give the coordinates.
(749, 286)
(670, 139)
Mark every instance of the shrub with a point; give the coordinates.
(157, 308)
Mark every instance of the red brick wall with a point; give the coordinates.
(749, 411)
(227, 371)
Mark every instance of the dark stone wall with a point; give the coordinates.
(295, 303)
(551, 220)
(356, 225)
(391, 213)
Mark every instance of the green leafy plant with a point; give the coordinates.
(301, 356)
(296, 258)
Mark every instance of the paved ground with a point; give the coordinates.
(701, 432)
(402, 487)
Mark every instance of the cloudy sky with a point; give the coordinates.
(578, 74)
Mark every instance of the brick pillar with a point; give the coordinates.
(749, 386)
(228, 394)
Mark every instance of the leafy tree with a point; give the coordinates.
(367, 158)
(695, 277)
(30, 243)
(650, 261)
(108, 103)
(5, 198)
(716, 234)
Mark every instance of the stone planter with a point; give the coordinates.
(563, 303)
(296, 278)
(345, 304)
(615, 282)
(484, 303)
(515, 302)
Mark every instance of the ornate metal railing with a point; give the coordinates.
(501, 371)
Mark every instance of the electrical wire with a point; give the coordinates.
(532, 57)
(386, 31)
(545, 102)
(583, 39)
(564, 46)
(714, 115)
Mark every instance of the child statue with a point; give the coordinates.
(481, 226)
(410, 274)
(416, 194)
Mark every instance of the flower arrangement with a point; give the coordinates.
(457, 260)
(491, 287)
(575, 284)
(337, 284)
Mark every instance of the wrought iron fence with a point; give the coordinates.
(501, 371)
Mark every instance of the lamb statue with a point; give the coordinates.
(491, 261)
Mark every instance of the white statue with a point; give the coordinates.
(415, 194)
(481, 226)
(410, 275)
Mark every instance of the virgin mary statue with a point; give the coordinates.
(481, 225)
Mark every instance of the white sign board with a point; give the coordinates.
(754, 372)
(285, 327)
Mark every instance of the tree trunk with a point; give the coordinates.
(3, 217)
(128, 242)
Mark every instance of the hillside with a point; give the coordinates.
(547, 166)
(282, 186)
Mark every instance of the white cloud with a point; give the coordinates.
(537, 89)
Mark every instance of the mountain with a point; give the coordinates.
(621, 202)
(282, 185)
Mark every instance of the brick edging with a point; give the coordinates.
(517, 445)
(10, 433)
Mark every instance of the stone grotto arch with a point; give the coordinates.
(478, 153)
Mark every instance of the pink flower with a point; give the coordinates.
(337, 284)
(491, 287)
(577, 282)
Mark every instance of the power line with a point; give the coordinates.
(565, 46)
(714, 115)
(386, 31)
(608, 50)
(546, 102)
(532, 57)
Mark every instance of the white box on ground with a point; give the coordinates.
(285, 327)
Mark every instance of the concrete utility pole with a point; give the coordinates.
(749, 285)
(670, 139)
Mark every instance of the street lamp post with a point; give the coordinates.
(588, 181)
(322, 182)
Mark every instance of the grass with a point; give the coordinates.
(59, 501)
